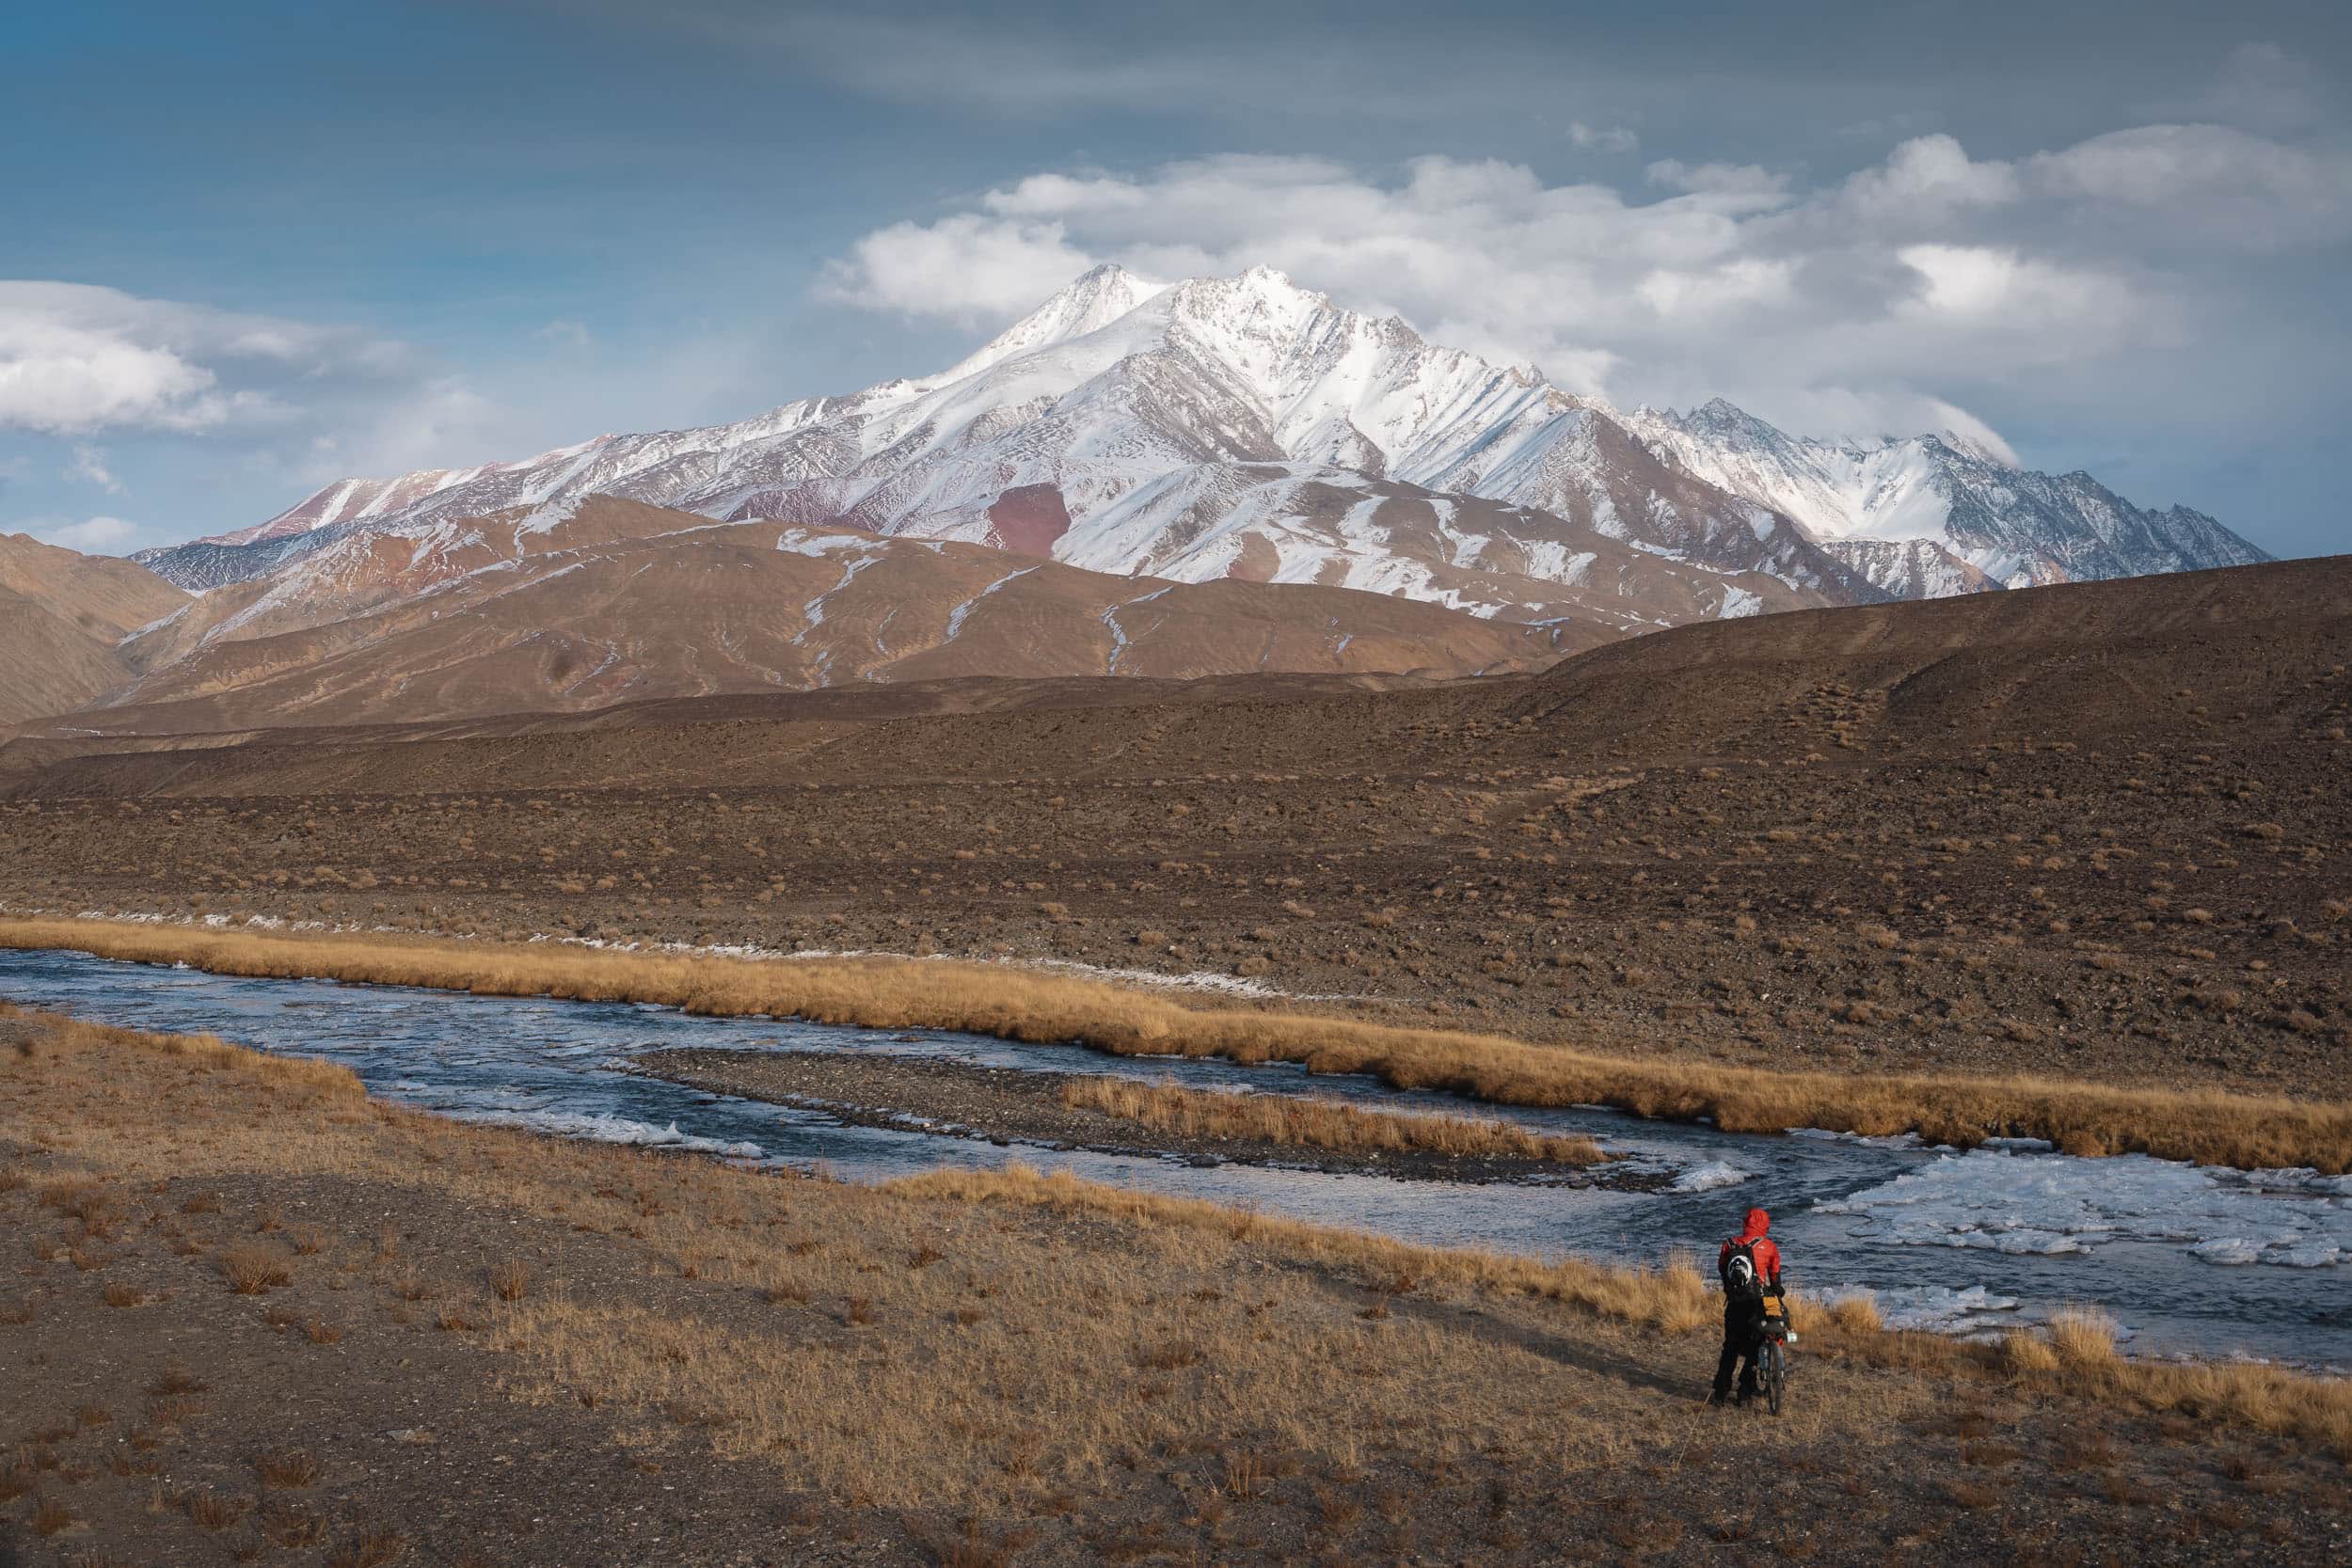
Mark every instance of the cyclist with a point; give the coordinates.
(1749, 1266)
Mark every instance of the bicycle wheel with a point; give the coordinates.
(1774, 1370)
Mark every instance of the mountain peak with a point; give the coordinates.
(1723, 418)
(1244, 423)
(1087, 303)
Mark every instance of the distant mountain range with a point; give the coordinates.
(1246, 427)
(1211, 477)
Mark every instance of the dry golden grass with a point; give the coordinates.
(1672, 1297)
(1318, 1123)
(253, 1268)
(1856, 1315)
(1138, 1324)
(2246, 1130)
(2082, 1340)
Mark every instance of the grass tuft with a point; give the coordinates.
(2082, 1340)
(253, 1267)
(288, 1469)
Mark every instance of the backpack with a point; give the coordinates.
(1741, 1282)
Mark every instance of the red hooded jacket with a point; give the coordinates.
(1767, 1256)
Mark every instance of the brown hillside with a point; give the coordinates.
(2100, 831)
(595, 609)
(99, 595)
(62, 617)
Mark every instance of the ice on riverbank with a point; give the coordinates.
(1932, 1308)
(1867, 1140)
(603, 1128)
(1707, 1178)
(2019, 1202)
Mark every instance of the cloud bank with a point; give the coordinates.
(1863, 305)
(76, 359)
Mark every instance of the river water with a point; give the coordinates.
(2191, 1260)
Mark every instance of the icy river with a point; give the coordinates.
(2189, 1259)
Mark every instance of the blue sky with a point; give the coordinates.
(260, 245)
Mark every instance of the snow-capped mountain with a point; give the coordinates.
(1219, 427)
(1927, 515)
(1246, 427)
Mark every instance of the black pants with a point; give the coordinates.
(1743, 1336)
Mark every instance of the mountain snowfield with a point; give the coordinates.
(1932, 515)
(1245, 427)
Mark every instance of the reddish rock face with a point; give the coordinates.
(1257, 561)
(1027, 518)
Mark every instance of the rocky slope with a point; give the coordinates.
(576, 606)
(65, 621)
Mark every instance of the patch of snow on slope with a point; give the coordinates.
(156, 624)
(815, 609)
(955, 617)
(1118, 633)
(803, 542)
(545, 518)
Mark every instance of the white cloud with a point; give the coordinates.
(1865, 300)
(2239, 190)
(89, 468)
(60, 377)
(1686, 294)
(76, 359)
(91, 536)
(289, 404)
(1602, 138)
(1926, 181)
(967, 268)
(1743, 185)
(570, 334)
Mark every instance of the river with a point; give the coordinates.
(2189, 1261)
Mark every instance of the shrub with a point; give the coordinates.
(1856, 1315)
(252, 1269)
(2083, 1338)
(2029, 1353)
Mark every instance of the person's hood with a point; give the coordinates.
(1759, 1222)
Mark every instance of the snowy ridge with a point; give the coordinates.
(1245, 426)
(1931, 516)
